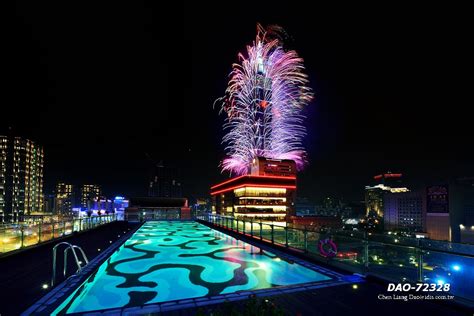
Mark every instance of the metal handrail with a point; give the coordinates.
(84, 257)
(68, 246)
(215, 218)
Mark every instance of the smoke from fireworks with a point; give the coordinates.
(264, 100)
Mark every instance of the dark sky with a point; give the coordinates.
(107, 88)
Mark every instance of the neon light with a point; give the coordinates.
(260, 214)
(249, 185)
(276, 190)
(261, 206)
(262, 198)
(393, 175)
(388, 175)
(252, 176)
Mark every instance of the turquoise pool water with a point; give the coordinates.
(165, 261)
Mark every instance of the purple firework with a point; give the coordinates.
(264, 100)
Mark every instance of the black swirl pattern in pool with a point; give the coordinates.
(165, 261)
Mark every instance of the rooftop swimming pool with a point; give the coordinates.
(168, 261)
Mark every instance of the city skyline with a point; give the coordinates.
(105, 111)
(238, 159)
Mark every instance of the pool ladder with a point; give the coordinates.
(65, 253)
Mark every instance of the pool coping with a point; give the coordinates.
(48, 304)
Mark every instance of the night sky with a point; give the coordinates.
(109, 88)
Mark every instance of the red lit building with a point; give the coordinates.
(268, 193)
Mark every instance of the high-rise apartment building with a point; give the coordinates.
(21, 178)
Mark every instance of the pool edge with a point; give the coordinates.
(49, 302)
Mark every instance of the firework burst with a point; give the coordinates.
(264, 100)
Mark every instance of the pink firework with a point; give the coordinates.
(264, 100)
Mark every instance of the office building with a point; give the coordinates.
(438, 224)
(90, 193)
(450, 210)
(268, 193)
(404, 211)
(164, 182)
(21, 178)
(120, 203)
(64, 201)
(374, 194)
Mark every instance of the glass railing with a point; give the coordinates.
(392, 258)
(17, 236)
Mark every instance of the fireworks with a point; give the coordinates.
(264, 100)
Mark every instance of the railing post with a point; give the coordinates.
(420, 261)
(261, 237)
(237, 222)
(305, 240)
(273, 230)
(286, 236)
(22, 231)
(52, 229)
(251, 227)
(243, 226)
(53, 278)
(39, 232)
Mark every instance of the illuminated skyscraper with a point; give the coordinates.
(21, 178)
(89, 193)
(64, 198)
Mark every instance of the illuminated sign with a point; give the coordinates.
(437, 199)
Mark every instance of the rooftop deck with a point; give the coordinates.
(24, 273)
